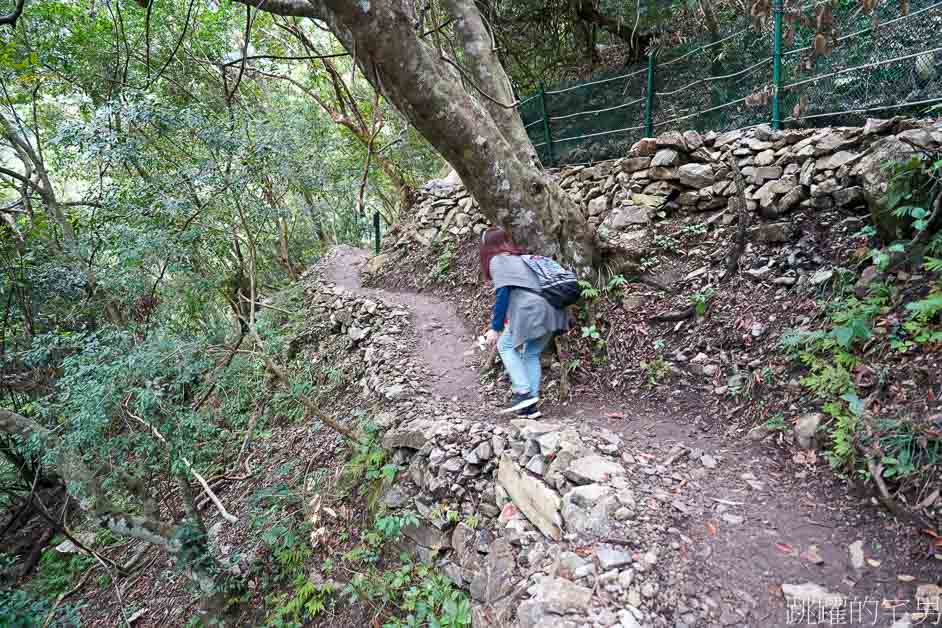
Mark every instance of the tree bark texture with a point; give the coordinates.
(487, 148)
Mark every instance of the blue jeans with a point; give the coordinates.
(523, 365)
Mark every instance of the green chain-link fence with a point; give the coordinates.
(876, 64)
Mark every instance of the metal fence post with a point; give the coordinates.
(376, 230)
(649, 99)
(547, 133)
(777, 64)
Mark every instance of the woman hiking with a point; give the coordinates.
(523, 322)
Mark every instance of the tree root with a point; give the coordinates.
(679, 315)
(883, 495)
(739, 244)
(735, 250)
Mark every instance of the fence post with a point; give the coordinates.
(376, 230)
(776, 64)
(547, 133)
(649, 99)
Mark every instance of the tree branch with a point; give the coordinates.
(11, 17)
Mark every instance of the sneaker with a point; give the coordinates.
(529, 413)
(519, 402)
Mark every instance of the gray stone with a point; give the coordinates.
(756, 144)
(765, 158)
(806, 178)
(394, 497)
(773, 233)
(856, 552)
(665, 157)
(696, 175)
(593, 468)
(495, 580)
(869, 275)
(88, 540)
(663, 173)
(625, 216)
(484, 451)
(644, 146)
(560, 596)
(532, 429)
(790, 200)
(835, 161)
(764, 173)
(806, 428)
(427, 536)
(848, 197)
(766, 133)
(811, 593)
(598, 206)
(821, 276)
(627, 620)
(571, 562)
(463, 540)
(589, 509)
(413, 434)
(920, 138)
(377, 263)
(612, 558)
(647, 200)
(537, 465)
(538, 502)
(833, 141)
(693, 140)
(874, 126)
(672, 139)
(634, 164)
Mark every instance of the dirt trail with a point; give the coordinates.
(750, 518)
(444, 342)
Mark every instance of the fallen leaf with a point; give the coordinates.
(812, 555)
(785, 548)
(711, 528)
(615, 415)
(905, 578)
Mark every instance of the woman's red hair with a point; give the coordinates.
(495, 241)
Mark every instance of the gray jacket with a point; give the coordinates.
(530, 316)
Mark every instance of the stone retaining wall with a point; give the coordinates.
(785, 171)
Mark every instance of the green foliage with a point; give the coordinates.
(617, 282)
(589, 292)
(301, 604)
(656, 369)
(30, 606)
(701, 299)
(845, 411)
(274, 517)
(57, 572)
(368, 461)
(846, 341)
(433, 602)
(777, 423)
(667, 243)
(443, 262)
(20, 609)
(694, 229)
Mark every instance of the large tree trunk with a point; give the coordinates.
(486, 144)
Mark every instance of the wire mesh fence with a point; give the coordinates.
(810, 64)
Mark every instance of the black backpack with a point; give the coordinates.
(557, 285)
